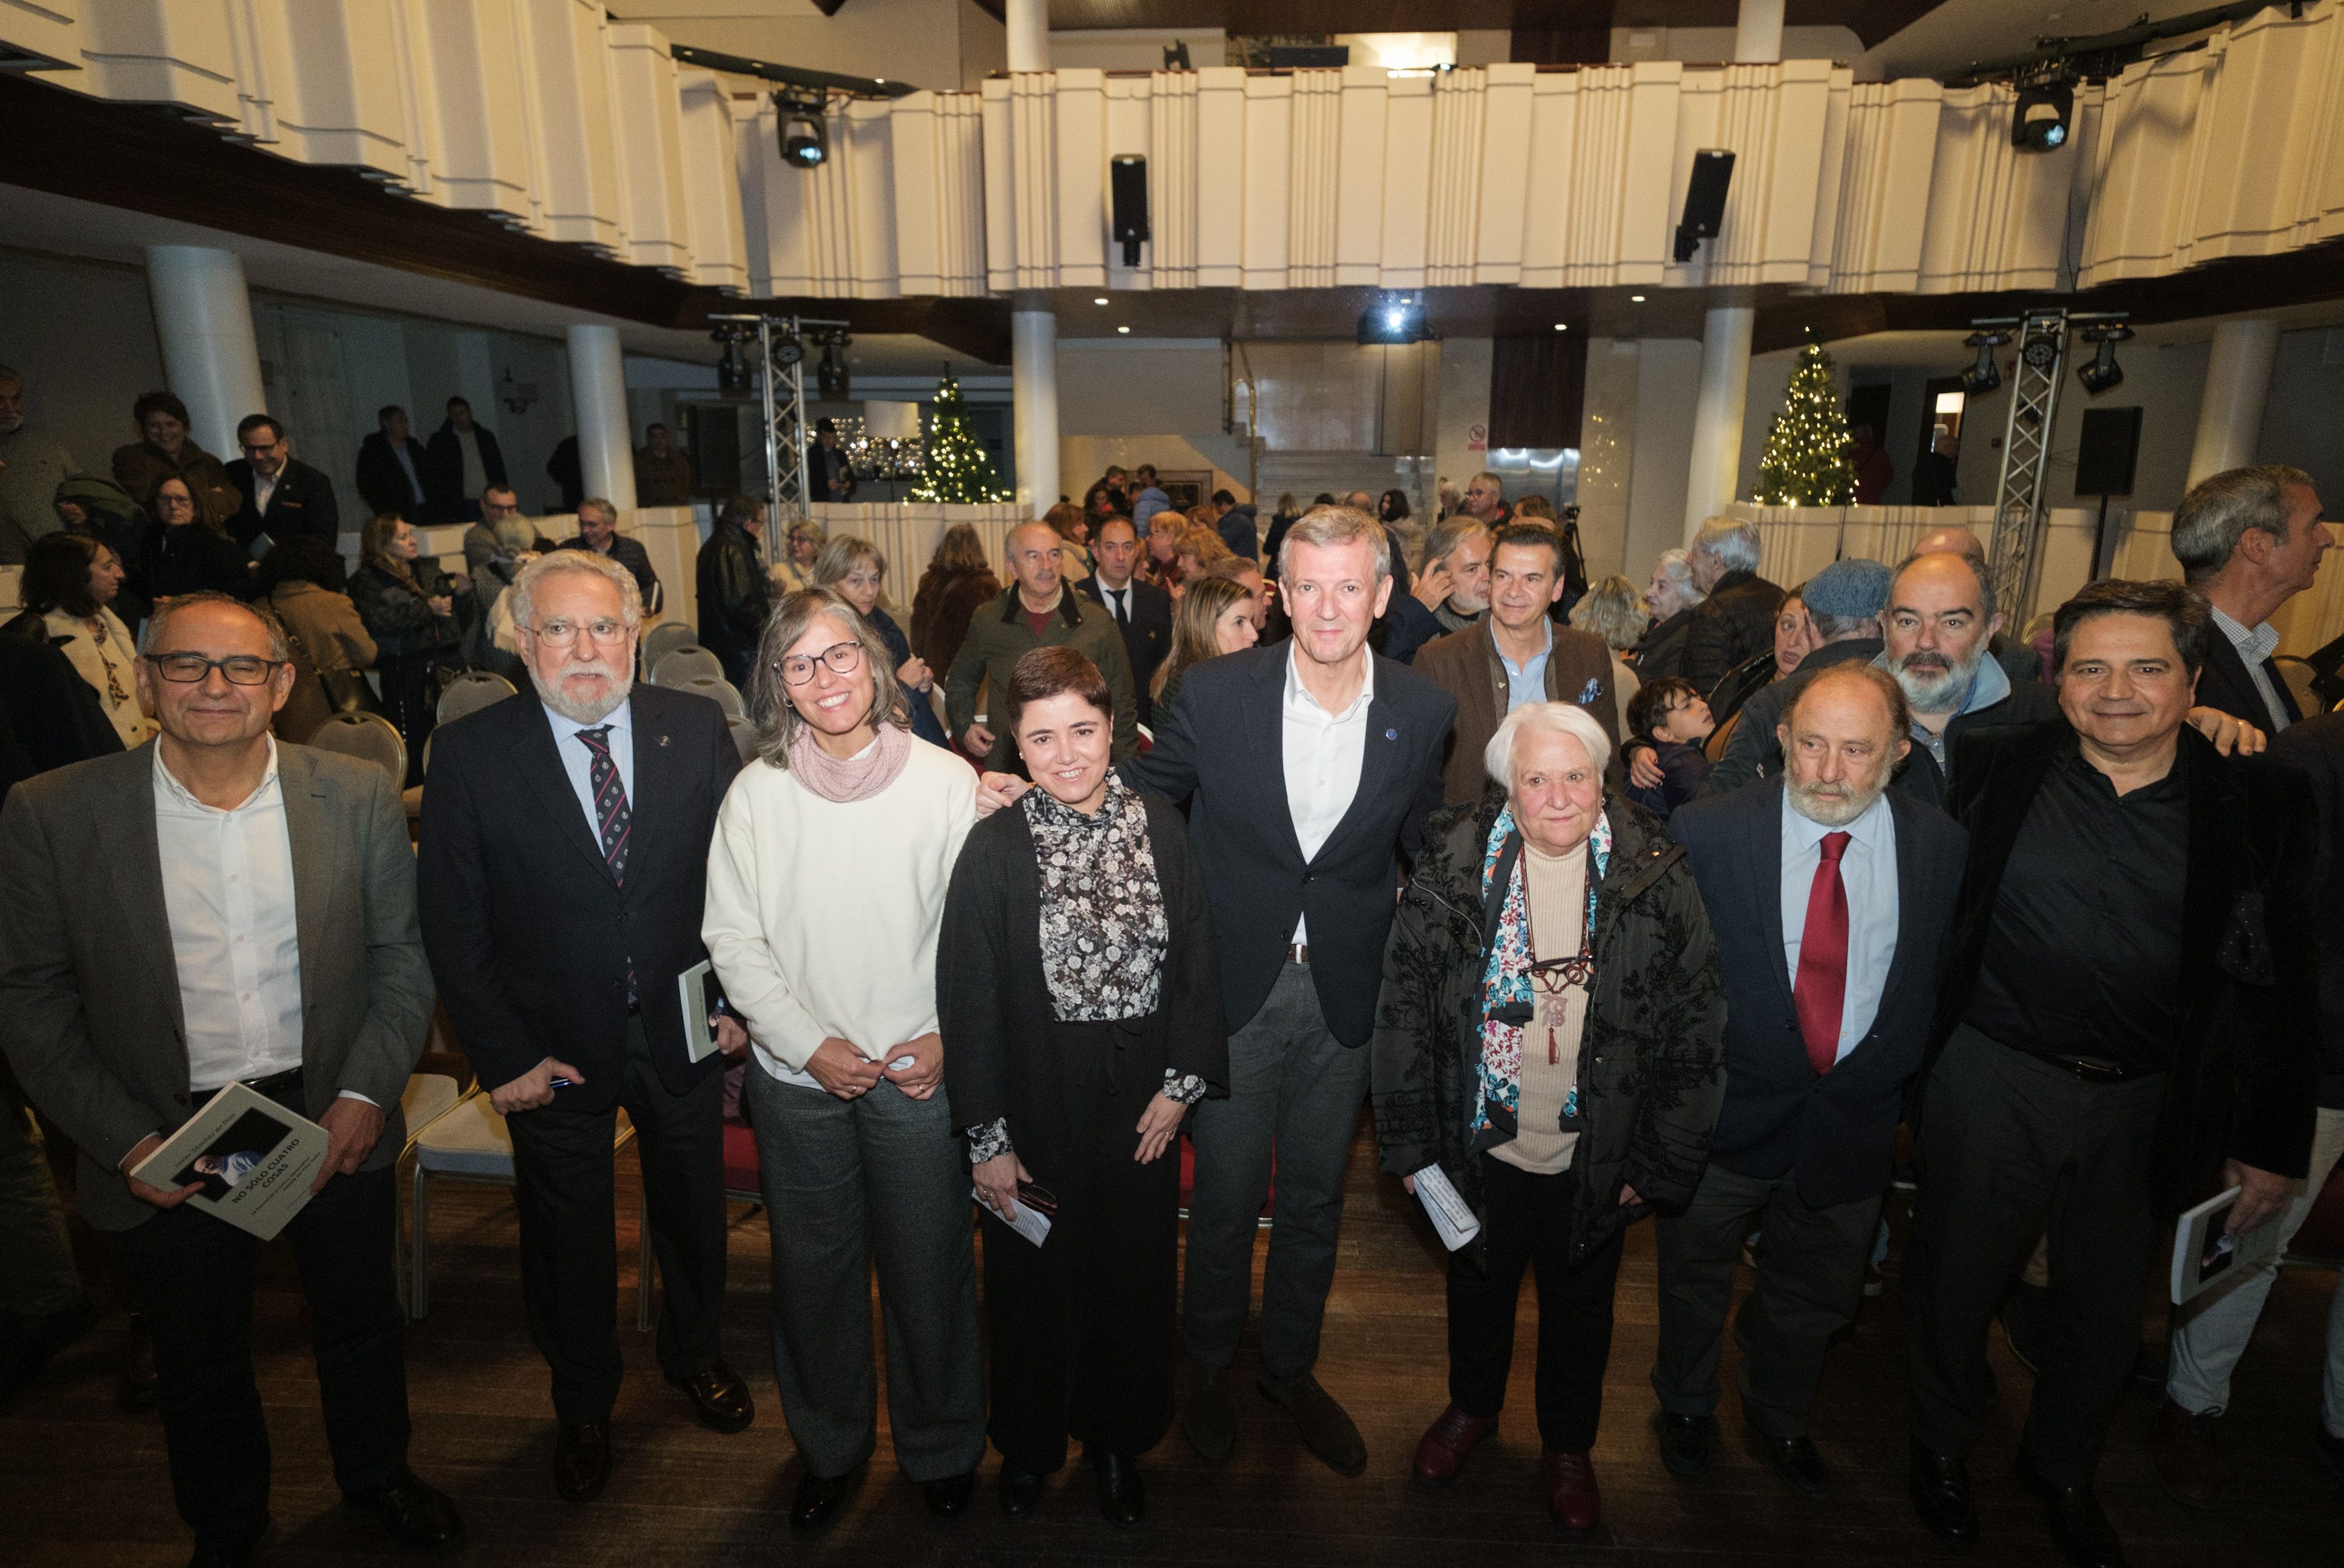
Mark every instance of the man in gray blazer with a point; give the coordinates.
(213, 909)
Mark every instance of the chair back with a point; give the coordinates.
(722, 693)
(1715, 748)
(744, 737)
(470, 692)
(369, 737)
(680, 667)
(664, 638)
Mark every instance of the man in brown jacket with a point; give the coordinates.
(1518, 655)
(1039, 609)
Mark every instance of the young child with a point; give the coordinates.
(1671, 715)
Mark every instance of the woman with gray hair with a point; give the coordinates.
(1548, 1046)
(1614, 610)
(825, 894)
(1673, 597)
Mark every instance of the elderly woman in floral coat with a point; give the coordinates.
(1548, 1046)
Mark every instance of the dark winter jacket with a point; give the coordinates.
(1651, 1061)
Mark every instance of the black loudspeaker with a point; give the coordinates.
(1705, 206)
(2109, 449)
(1128, 184)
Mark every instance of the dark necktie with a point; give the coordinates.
(1820, 990)
(613, 818)
(1122, 606)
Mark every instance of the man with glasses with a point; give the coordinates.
(274, 887)
(481, 546)
(284, 497)
(564, 852)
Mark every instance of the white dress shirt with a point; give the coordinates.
(1868, 869)
(2255, 646)
(264, 487)
(227, 891)
(1118, 601)
(578, 758)
(1323, 755)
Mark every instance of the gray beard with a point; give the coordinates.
(1934, 694)
(622, 683)
(1831, 813)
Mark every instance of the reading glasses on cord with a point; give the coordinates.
(842, 657)
(562, 633)
(187, 669)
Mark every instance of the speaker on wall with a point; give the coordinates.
(1704, 203)
(2109, 449)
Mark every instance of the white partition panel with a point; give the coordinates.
(649, 123)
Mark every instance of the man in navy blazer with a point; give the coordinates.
(1142, 612)
(1830, 895)
(1312, 766)
(559, 873)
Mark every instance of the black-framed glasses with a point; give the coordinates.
(187, 669)
(841, 657)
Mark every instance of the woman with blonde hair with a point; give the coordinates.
(958, 579)
(1213, 618)
(1073, 532)
(853, 569)
(793, 572)
(1200, 548)
(1614, 610)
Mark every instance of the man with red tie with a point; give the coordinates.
(1828, 896)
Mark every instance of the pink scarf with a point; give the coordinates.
(856, 777)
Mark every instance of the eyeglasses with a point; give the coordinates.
(187, 669)
(562, 633)
(843, 658)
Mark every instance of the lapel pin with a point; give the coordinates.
(1392, 734)
(662, 740)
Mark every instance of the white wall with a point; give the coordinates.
(1668, 383)
(1465, 363)
(2303, 424)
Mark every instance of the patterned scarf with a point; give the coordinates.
(1104, 933)
(1505, 979)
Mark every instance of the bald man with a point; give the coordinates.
(2014, 654)
(1039, 609)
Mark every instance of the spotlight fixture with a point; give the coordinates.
(2038, 124)
(1985, 376)
(2103, 372)
(1395, 318)
(806, 138)
(733, 378)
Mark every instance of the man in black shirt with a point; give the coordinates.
(2126, 1026)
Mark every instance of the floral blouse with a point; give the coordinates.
(1102, 931)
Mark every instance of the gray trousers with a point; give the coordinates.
(1809, 1288)
(1296, 1091)
(2011, 1147)
(37, 1275)
(849, 1183)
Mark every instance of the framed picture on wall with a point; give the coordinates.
(1187, 487)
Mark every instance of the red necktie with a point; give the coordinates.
(1821, 988)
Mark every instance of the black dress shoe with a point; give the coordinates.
(237, 1556)
(1204, 1414)
(136, 1391)
(1794, 1459)
(1941, 1496)
(36, 1340)
(1327, 1429)
(948, 1499)
(581, 1460)
(2078, 1528)
(819, 1497)
(413, 1514)
(1021, 1492)
(1684, 1443)
(1122, 1500)
(720, 1397)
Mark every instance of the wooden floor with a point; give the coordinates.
(81, 1484)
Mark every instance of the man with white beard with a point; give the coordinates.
(560, 877)
(1939, 619)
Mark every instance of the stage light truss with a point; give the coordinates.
(781, 391)
(2042, 339)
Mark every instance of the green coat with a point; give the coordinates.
(999, 635)
(1652, 1062)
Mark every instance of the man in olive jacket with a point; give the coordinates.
(1039, 609)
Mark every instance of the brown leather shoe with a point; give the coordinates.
(2185, 1460)
(1570, 1491)
(1440, 1453)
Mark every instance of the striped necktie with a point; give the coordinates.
(613, 818)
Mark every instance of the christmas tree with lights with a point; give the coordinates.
(1807, 461)
(956, 467)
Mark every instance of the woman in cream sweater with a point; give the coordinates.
(826, 888)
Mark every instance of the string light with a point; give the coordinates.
(956, 467)
(1807, 461)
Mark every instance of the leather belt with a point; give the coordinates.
(1299, 953)
(269, 1087)
(2095, 1071)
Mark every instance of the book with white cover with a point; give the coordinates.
(254, 1160)
(2205, 1258)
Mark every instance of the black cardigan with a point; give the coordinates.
(1004, 1054)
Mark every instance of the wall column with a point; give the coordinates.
(597, 394)
(1758, 32)
(203, 316)
(1716, 465)
(1033, 400)
(1029, 34)
(2237, 384)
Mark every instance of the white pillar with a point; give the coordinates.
(1029, 34)
(2237, 384)
(1033, 402)
(597, 394)
(1758, 32)
(1717, 412)
(203, 316)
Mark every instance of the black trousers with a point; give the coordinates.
(2012, 1146)
(569, 1245)
(1528, 1226)
(1808, 1288)
(191, 1275)
(1082, 1328)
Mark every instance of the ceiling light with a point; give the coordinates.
(1123, 329)
(1395, 318)
(1985, 376)
(799, 117)
(2103, 372)
(1562, 327)
(2038, 122)
(1636, 299)
(1100, 300)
